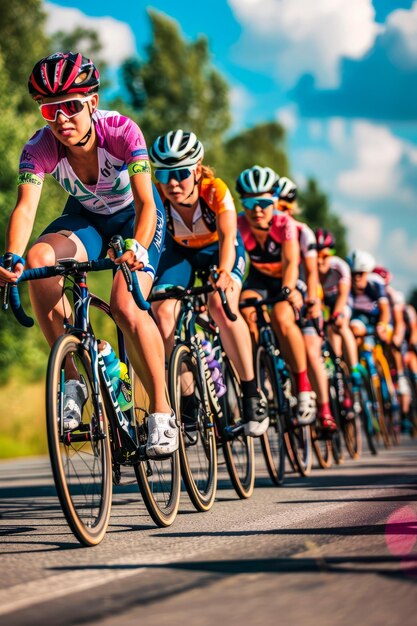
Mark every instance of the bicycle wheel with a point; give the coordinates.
(391, 412)
(375, 385)
(322, 446)
(336, 437)
(369, 419)
(272, 441)
(198, 453)
(81, 460)
(298, 439)
(159, 479)
(350, 418)
(239, 450)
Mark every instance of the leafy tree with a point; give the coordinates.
(177, 87)
(262, 145)
(22, 43)
(317, 214)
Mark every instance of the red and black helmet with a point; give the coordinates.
(63, 73)
(384, 273)
(325, 239)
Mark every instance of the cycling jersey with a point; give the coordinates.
(338, 273)
(267, 258)
(366, 303)
(121, 152)
(307, 239)
(214, 198)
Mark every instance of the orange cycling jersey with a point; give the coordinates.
(214, 198)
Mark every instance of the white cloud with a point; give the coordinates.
(240, 100)
(337, 132)
(377, 154)
(288, 117)
(116, 36)
(403, 24)
(364, 230)
(301, 36)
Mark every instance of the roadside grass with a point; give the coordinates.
(22, 419)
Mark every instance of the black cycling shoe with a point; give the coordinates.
(255, 415)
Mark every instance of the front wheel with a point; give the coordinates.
(159, 480)
(198, 453)
(272, 441)
(81, 459)
(239, 451)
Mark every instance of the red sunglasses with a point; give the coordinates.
(69, 108)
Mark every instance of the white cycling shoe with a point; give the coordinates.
(162, 435)
(306, 408)
(75, 396)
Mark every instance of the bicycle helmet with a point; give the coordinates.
(325, 239)
(384, 273)
(63, 73)
(257, 180)
(176, 149)
(361, 261)
(287, 189)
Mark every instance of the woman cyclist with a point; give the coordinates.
(201, 231)
(271, 241)
(100, 158)
(335, 278)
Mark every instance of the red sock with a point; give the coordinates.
(324, 409)
(301, 379)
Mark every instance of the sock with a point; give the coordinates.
(249, 388)
(302, 382)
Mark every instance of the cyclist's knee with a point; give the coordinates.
(40, 254)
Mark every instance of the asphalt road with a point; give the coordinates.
(338, 547)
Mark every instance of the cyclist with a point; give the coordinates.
(335, 278)
(287, 203)
(396, 349)
(202, 231)
(100, 158)
(271, 241)
(368, 299)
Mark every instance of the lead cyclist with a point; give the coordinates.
(100, 158)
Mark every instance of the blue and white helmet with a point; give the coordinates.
(361, 261)
(287, 189)
(176, 148)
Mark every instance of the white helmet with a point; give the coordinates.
(287, 189)
(257, 180)
(176, 149)
(361, 261)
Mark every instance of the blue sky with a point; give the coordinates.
(341, 75)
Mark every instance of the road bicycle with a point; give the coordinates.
(109, 442)
(283, 438)
(208, 422)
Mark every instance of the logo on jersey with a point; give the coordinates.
(28, 177)
(142, 152)
(139, 167)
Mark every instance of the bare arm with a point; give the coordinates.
(290, 260)
(227, 229)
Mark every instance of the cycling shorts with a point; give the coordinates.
(95, 230)
(179, 264)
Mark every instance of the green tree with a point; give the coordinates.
(22, 43)
(262, 145)
(316, 213)
(177, 87)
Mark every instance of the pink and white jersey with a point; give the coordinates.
(307, 239)
(121, 152)
(339, 272)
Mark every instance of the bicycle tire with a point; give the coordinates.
(238, 451)
(369, 420)
(159, 480)
(82, 469)
(272, 441)
(322, 446)
(351, 427)
(336, 439)
(298, 439)
(198, 452)
(391, 417)
(374, 383)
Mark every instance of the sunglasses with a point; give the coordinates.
(69, 108)
(251, 203)
(179, 174)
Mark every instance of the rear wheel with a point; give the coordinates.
(297, 440)
(198, 454)
(350, 417)
(369, 419)
(322, 446)
(81, 459)
(272, 441)
(239, 450)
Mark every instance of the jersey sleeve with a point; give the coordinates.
(308, 243)
(39, 157)
(221, 196)
(125, 139)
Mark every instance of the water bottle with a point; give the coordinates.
(119, 377)
(214, 367)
